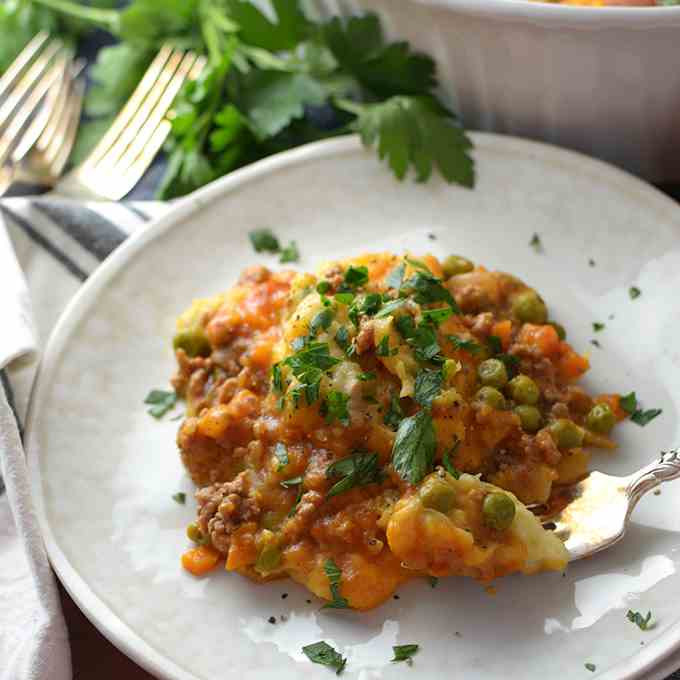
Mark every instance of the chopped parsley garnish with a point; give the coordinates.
(290, 483)
(424, 342)
(290, 253)
(598, 326)
(437, 316)
(414, 447)
(433, 581)
(641, 417)
(390, 308)
(590, 667)
(298, 498)
(467, 345)
(323, 287)
(642, 622)
(359, 469)
(370, 304)
(161, 402)
(634, 292)
(365, 377)
(335, 580)
(277, 378)
(281, 453)
(179, 497)
(406, 326)
(427, 288)
(428, 386)
(336, 407)
(536, 244)
(308, 366)
(383, 349)
(355, 277)
(404, 653)
(342, 338)
(344, 298)
(321, 321)
(322, 653)
(446, 460)
(394, 413)
(396, 277)
(511, 363)
(629, 404)
(264, 241)
(495, 344)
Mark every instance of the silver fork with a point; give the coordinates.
(597, 509)
(127, 149)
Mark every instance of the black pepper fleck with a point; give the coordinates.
(308, 601)
(272, 619)
(396, 597)
(284, 596)
(432, 237)
(457, 634)
(283, 618)
(591, 262)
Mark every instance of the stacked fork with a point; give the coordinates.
(40, 104)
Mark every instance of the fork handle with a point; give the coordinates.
(664, 469)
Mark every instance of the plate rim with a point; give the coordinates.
(120, 634)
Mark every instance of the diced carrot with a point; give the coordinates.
(242, 550)
(200, 560)
(570, 364)
(261, 354)
(433, 265)
(503, 330)
(543, 337)
(614, 401)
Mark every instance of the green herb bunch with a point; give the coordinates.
(265, 72)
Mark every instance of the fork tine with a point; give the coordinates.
(31, 79)
(58, 157)
(127, 156)
(54, 102)
(21, 117)
(21, 61)
(136, 124)
(130, 109)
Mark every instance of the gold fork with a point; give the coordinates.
(595, 511)
(127, 149)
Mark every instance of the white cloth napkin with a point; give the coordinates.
(58, 244)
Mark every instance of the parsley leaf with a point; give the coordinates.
(344, 298)
(321, 321)
(161, 402)
(394, 413)
(281, 453)
(179, 497)
(641, 417)
(342, 338)
(406, 326)
(590, 667)
(322, 653)
(634, 292)
(446, 460)
(437, 316)
(628, 402)
(433, 581)
(536, 244)
(511, 363)
(428, 385)
(290, 253)
(495, 344)
(418, 132)
(427, 288)
(263, 240)
(355, 277)
(598, 326)
(336, 407)
(289, 483)
(335, 580)
(383, 349)
(359, 469)
(404, 652)
(642, 622)
(365, 377)
(390, 308)
(396, 277)
(424, 343)
(414, 447)
(466, 345)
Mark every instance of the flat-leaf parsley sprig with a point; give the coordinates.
(265, 73)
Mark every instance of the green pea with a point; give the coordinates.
(600, 419)
(492, 397)
(529, 417)
(492, 372)
(524, 390)
(566, 433)
(438, 495)
(561, 332)
(455, 264)
(528, 307)
(194, 533)
(268, 559)
(193, 341)
(498, 511)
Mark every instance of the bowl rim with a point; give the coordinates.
(549, 13)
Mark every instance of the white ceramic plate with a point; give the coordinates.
(103, 471)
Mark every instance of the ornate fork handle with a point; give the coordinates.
(664, 469)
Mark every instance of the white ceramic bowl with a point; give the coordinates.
(604, 81)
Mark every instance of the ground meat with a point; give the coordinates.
(300, 522)
(547, 448)
(335, 276)
(222, 508)
(185, 368)
(471, 299)
(365, 338)
(559, 410)
(482, 324)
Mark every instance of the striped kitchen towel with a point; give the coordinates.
(57, 244)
